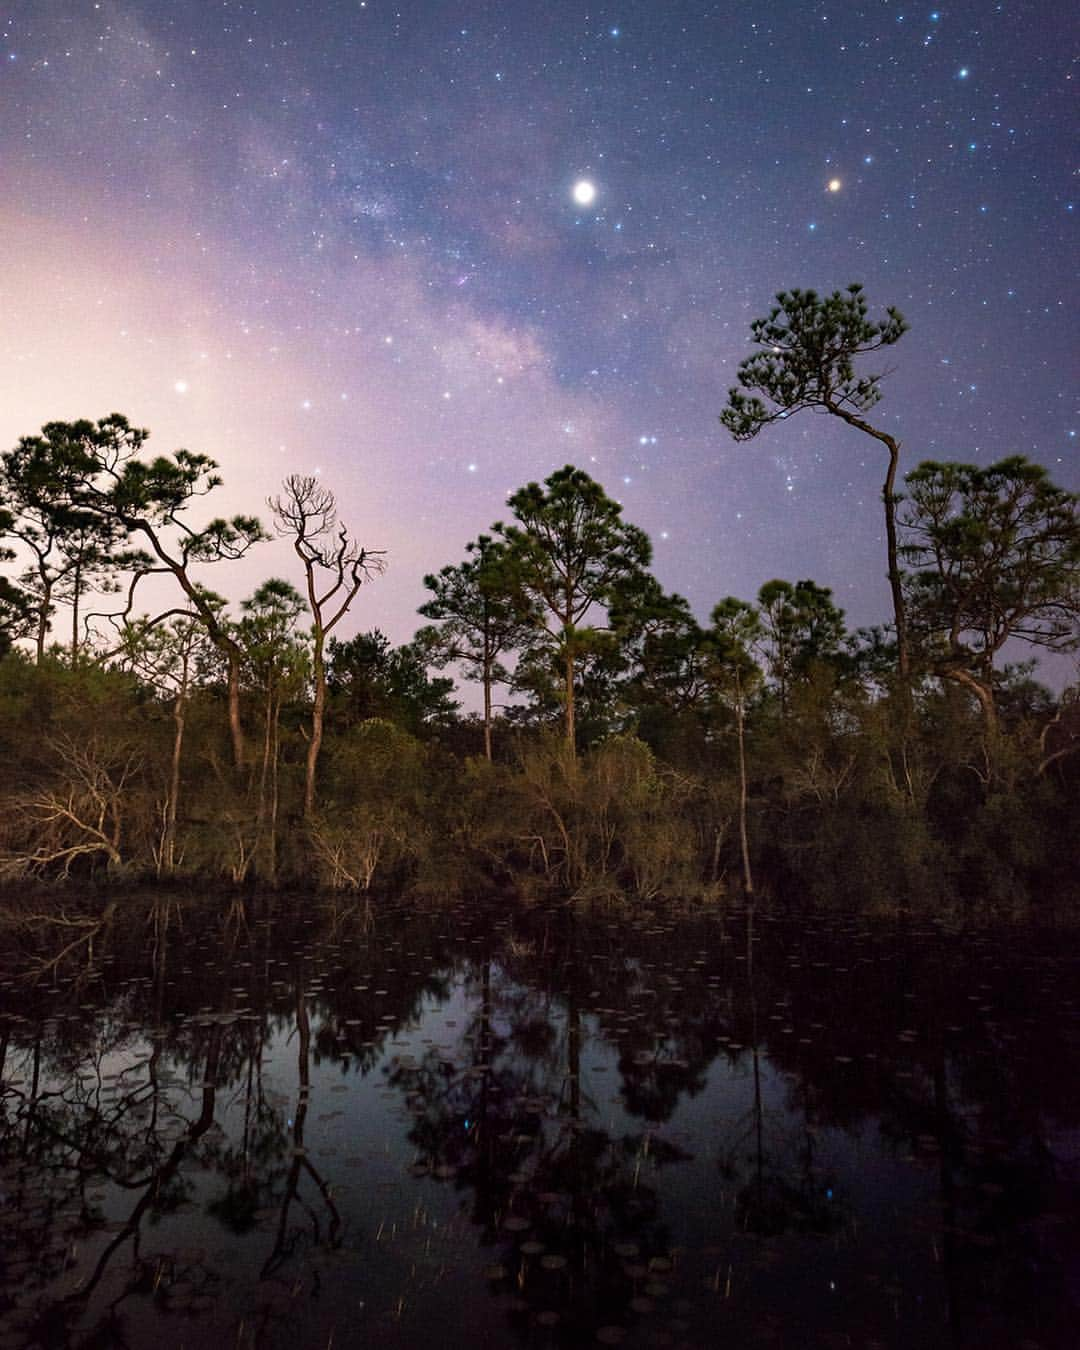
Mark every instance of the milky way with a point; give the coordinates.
(350, 238)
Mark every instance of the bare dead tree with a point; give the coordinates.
(82, 815)
(307, 512)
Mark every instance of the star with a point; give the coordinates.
(573, 257)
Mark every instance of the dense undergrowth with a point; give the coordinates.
(886, 804)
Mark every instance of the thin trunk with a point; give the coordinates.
(179, 722)
(318, 714)
(168, 852)
(903, 657)
(300, 1161)
(490, 654)
(35, 1079)
(75, 613)
(236, 730)
(759, 1133)
(264, 776)
(744, 842)
(274, 793)
(487, 711)
(569, 695)
(229, 648)
(43, 620)
(985, 694)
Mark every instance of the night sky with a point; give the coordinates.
(353, 239)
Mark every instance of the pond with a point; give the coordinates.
(280, 1125)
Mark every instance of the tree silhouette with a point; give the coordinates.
(997, 556)
(169, 658)
(71, 552)
(801, 627)
(98, 476)
(810, 344)
(477, 621)
(370, 678)
(16, 606)
(570, 550)
(307, 512)
(278, 665)
(736, 627)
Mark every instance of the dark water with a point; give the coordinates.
(476, 1128)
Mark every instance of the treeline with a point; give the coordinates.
(623, 748)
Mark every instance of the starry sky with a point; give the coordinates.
(350, 238)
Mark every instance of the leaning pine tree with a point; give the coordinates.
(809, 346)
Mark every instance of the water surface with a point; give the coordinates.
(270, 1125)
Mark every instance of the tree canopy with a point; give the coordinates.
(995, 555)
(771, 738)
(570, 550)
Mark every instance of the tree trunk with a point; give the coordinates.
(168, 851)
(236, 730)
(744, 840)
(571, 734)
(43, 622)
(275, 794)
(983, 692)
(903, 656)
(318, 714)
(264, 779)
(76, 589)
(218, 636)
(487, 711)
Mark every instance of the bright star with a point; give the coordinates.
(181, 386)
(584, 192)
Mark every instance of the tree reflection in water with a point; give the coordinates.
(551, 1128)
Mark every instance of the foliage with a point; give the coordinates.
(647, 756)
(69, 552)
(801, 629)
(570, 551)
(607, 823)
(16, 604)
(93, 476)
(995, 554)
(809, 347)
(480, 615)
(373, 823)
(369, 678)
